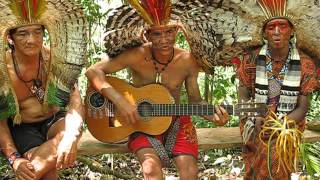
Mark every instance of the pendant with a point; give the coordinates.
(38, 92)
(158, 78)
(37, 83)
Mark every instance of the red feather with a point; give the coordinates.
(236, 61)
(161, 9)
(23, 8)
(156, 9)
(35, 7)
(275, 7)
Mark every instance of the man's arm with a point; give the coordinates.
(67, 148)
(221, 116)
(243, 93)
(96, 75)
(300, 112)
(6, 142)
(20, 164)
(75, 115)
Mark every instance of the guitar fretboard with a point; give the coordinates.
(147, 109)
(181, 109)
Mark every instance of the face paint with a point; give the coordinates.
(278, 33)
(278, 25)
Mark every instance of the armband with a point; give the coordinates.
(12, 157)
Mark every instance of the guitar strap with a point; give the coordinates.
(165, 151)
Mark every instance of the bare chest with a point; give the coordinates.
(20, 87)
(172, 75)
(31, 109)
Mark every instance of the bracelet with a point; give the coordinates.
(12, 157)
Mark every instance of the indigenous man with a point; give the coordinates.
(39, 137)
(158, 61)
(281, 76)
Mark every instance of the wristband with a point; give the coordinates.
(12, 157)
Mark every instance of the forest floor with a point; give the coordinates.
(213, 164)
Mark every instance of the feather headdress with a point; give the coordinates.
(274, 9)
(28, 10)
(154, 12)
(217, 31)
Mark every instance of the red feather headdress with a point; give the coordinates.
(154, 12)
(274, 9)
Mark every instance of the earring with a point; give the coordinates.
(10, 42)
(265, 41)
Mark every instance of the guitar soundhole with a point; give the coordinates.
(145, 109)
(97, 100)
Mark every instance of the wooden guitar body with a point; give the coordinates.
(155, 106)
(106, 125)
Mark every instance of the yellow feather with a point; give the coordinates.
(42, 7)
(15, 8)
(143, 13)
(167, 15)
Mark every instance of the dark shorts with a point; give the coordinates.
(29, 135)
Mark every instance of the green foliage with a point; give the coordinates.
(310, 152)
(10, 110)
(95, 17)
(310, 157)
(4, 168)
(222, 88)
(52, 95)
(314, 110)
(181, 41)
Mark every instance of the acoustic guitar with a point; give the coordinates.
(155, 106)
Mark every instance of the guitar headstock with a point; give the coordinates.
(251, 109)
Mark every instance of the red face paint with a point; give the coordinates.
(278, 32)
(282, 25)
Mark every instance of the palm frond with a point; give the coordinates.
(310, 154)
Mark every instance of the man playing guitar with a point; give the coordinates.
(158, 61)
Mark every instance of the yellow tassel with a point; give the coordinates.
(45, 106)
(288, 140)
(17, 119)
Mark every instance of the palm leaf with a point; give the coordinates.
(310, 154)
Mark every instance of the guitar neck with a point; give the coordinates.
(185, 109)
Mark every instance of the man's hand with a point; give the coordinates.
(67, 151)
(23, 169)
(221, 117)
(127, 111)
(259, 121)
